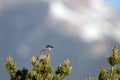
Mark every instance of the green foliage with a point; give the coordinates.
(113, 72)
(115, 58)
(42, 70)
(10, 66)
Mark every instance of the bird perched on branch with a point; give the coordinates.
(45, 53)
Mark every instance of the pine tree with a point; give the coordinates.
(113, 72)
(42, 70)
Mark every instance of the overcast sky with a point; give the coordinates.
(83, 31)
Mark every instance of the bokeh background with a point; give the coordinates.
(82, 30)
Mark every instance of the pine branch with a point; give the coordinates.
(42, 70)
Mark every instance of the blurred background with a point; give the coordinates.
(82, 30)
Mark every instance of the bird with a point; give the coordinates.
(45, 53)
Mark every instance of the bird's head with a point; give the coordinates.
(49, 47)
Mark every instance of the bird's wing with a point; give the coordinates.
(44, 51)
(43, 54)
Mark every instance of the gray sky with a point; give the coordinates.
(83, 31)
